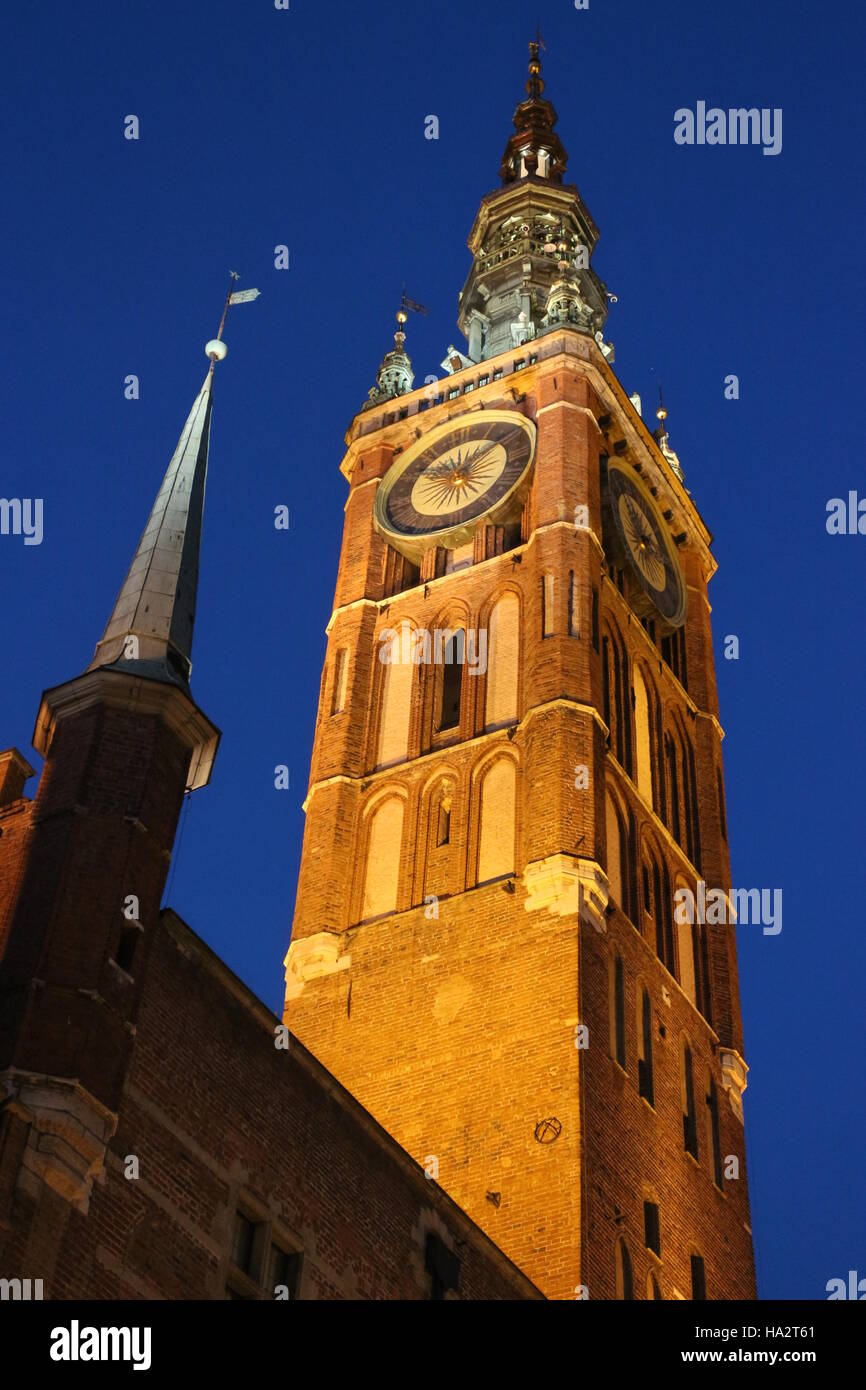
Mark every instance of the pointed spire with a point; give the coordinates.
(535, 150)
(662, 438)
(395, 375)
(150, 629)
(153, 616)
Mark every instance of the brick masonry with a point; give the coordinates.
(457, 1031)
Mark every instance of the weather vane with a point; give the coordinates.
(216, 349)
(406, 304)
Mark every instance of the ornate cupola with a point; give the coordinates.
(531, 242)
(395, 375)
(534, 148)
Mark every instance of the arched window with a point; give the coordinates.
(703, 995)
(382, 873)
(645, 1085)
(395, 708)
(624, 1276)
(714, 1140)
(687, 1098)
(617, 1010)
(503, 661)
(435, 829)
(616, 858)
(674, 825)
(643, 738)
(686, 952)
(663, 916)
(498, 818)
(605, 689)
(694, 805)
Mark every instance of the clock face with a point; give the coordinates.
(456, 473)
(647, 542)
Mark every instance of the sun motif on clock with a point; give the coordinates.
(460, 471)
(647, 543)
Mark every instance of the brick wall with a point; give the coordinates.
(218, 1119)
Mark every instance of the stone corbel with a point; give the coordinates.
(69, 1134)
(563, 885)
(312, 958)
(734, 1072)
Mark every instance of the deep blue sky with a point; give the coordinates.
(261, 127)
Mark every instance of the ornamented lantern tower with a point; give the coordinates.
(517, 763)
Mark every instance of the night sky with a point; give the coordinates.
(260, 127)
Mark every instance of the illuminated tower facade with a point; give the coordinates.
(517, 764)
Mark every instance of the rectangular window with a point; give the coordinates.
(443, 827)
(652, 1231)
(547, 594)
(452, 681)
(595, 619)
(533, 358)
(454, 393)
(262, 1264)
(283, 1277)
(573, 605)
(470, 386)
(715, 1134)
(619, 1011)
(497, 375)
(645, 1062)
(243, 1241)
(483, 380)
(690, 1122)
(699, 1278)
(520, 364)
(442, 1265)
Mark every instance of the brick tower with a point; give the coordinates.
(517, 764)
(83, 866)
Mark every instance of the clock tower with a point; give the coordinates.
(517, 765)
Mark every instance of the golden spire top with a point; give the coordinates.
(535, 85)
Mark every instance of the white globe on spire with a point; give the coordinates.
(216, 350)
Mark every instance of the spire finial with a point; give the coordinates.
(663, 438)
(535, 85)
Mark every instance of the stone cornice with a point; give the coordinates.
(137, 695)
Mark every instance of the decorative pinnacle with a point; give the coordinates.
(661, 413)
(535, 85)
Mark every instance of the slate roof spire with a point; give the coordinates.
(150, 629)
(151, 625)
